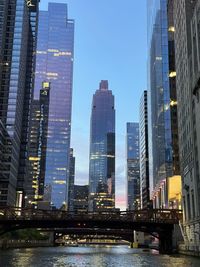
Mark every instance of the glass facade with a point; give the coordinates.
(102, 150)
(18, 31)
(144, 152)
(133, 165)
(159, 113)
(54, 63)
(163, 137)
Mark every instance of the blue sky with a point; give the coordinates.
(110, 44)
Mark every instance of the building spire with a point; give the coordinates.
(103, 85)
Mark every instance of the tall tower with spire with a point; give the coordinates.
(102, 150)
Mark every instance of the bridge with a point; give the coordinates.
(156, 222)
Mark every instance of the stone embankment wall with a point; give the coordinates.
(4, 244)
(190, 250)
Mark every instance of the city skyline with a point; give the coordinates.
(130, 169)
(121, 60)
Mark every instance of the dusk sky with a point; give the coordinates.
(110, 44)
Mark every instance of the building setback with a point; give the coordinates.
(54, 63)
(133, 166)
(144, 152)
(18, 32)
(102, 150)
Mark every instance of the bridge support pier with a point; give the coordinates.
(165, 242)
(53, 238)
(133, 241)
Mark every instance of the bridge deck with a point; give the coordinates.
(154, 215)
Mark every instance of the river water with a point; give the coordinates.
(91, 257)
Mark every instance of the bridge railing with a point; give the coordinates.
(148, 215)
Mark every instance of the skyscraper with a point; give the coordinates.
(80, 198)
(144, 152)
(71, 181)
(186, 22)
(54, 63)
(163, 137)
(18, 33)
(133, 165)
(102, 150)
(38, 144)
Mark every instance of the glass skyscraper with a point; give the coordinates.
(18, 32)
(144, 152)
(54, 63)
(102, 150)
(133, 165)
(163, 138)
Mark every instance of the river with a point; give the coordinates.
(92, 257)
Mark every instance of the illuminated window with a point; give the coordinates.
(172, 74)
(171, 29)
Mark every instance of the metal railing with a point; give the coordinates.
(148, 215)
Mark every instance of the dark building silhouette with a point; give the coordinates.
(71, 181)
(5, 152)
(80, 203)
(144, 152)
(38, 144)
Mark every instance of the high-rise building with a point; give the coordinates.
(186, 22)
(18, 33)
(54, 63)
(144, 152)
(102, 150)
(5, 152)
(133, 165)
(163, 137)
(80, 201)
(71, 181)
(38, 144)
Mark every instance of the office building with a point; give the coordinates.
(80, 201)
(133, 165)
(163, 137)
(18, 33)
(186, 22)
(144, 152)
(54, 63)
(102, 150)
(71, 181)
(38, 144)
(6, 189)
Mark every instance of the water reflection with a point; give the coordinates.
(91, 257)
